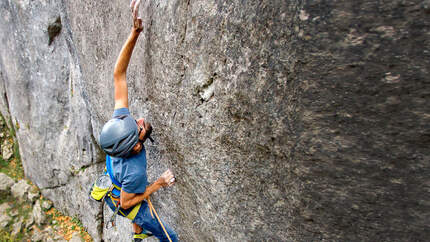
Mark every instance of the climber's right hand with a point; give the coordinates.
(137, 25)
(166, 179)
(137, 21)
(134, 5)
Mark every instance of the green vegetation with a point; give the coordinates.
(22, 210)
(13, 166)
(6, 236)
(18, 210)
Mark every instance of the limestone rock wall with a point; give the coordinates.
(283, 120)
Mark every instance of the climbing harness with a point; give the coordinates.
(113, 217)
(110, 189)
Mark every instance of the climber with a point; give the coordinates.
(122, 138)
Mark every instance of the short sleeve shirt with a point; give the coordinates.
(130, 171)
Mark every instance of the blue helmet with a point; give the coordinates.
(119, 135)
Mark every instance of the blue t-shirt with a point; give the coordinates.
(131, 171)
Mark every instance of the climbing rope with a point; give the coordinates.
(152, 210)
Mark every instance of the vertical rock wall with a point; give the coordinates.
(283, 120)
(365, 140)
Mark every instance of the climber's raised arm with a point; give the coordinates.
(119, 73)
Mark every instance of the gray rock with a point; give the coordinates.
(59, 238)
(76, 237)
(38, 215)
(49, 234)
(37, 236)
(33, 196)
(285, 120)
(14, 213)
(5, 219)
(16, 227)
(5, 183)
(46, 204)
(4, 207)
(29, 222)
(48, 230)
(20, 189)
(7, 149)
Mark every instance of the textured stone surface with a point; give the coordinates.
(363, 153)
(29, 222)
(20, 189)
(76, 238)
(283, 120)
(7, 149)
(17, 227)
(32, 196)
(5, 219)
(4, 207)
(46, 205)
(38, 215)
(5, 183)
(37, 236)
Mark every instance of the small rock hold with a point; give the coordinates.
(303, 15)
(307, 216)
(386, 31)
(390, 78)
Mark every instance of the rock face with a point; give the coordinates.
(20, 190)
(5, 183)
(6, 150)
(283, 120)
(5, 219)
(38, 214)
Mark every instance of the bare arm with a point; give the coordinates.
(129, 200)
(119, 73)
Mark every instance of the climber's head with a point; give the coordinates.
(145, 130)
(120, 136)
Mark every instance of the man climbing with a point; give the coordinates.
(122, 138)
